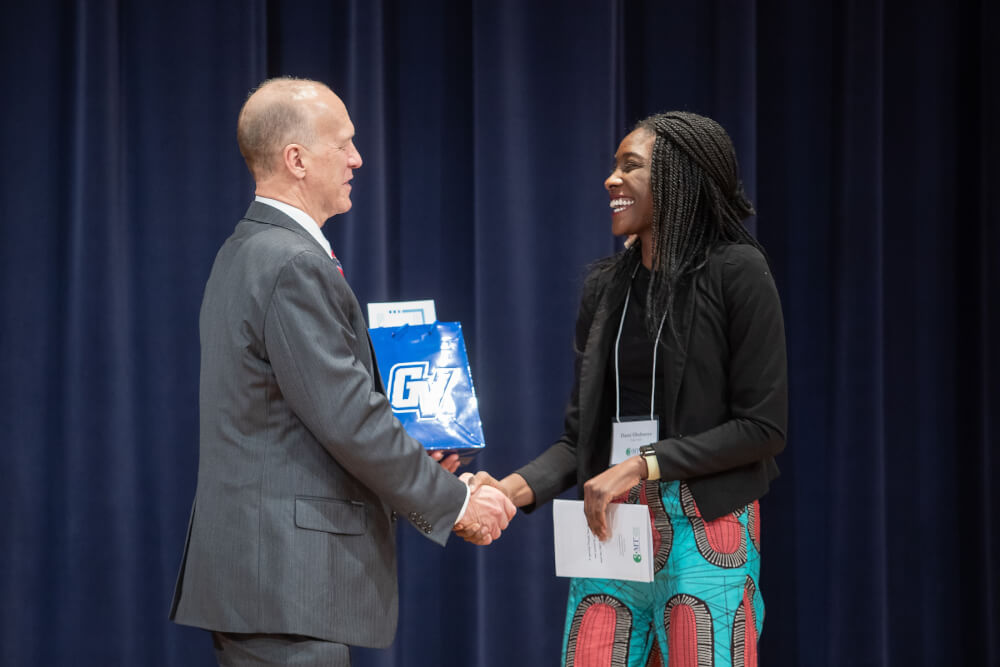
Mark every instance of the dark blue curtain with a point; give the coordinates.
(867, 134)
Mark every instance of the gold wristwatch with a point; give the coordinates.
(652, 464)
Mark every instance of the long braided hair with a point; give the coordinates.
(698, 205)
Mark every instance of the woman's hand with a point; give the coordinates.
(601, 490)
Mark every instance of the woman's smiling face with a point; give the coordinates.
(631, 197)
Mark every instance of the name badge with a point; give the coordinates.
(628, 435)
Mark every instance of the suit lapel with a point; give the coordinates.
(370, 362)
(675, 355)
(600, 341)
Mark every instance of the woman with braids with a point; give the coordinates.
(682, 331)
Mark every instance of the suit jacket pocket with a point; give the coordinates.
(330, 515)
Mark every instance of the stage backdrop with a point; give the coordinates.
(867, 133)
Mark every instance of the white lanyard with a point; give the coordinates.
(618, 338)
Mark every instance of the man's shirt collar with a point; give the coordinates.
(301, 217)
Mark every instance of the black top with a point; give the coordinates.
(635, 354)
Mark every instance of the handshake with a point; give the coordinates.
(492, 504)
(489, 510)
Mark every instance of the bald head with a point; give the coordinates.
(298, 141)
(280, 112)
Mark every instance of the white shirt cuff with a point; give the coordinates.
(465, 505)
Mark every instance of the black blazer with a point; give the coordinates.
(724, 408)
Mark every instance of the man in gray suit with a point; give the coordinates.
(290, 554)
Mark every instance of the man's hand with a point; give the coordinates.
(467, 529)
(489, 511)
(601, 490)
(450, 464)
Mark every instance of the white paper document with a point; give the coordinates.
(627, 555)
(398, 313)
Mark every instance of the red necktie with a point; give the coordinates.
(339, 267)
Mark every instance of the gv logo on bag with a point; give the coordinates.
(412, 388)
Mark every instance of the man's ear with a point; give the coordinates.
(294, 160)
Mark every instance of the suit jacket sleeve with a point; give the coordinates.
(757, 378)
(311, 346)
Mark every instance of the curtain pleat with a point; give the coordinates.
(867, 138)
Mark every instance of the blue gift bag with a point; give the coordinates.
(425, 370)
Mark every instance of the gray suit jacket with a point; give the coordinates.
(302, 465)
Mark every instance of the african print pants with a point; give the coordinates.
(703, 608)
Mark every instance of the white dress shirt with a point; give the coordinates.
(301, 217)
